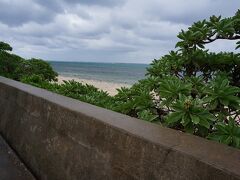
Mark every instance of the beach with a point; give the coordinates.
(110, 87)
(105, 76)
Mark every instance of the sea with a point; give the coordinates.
(126, 73)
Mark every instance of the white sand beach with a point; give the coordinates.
(110, 87)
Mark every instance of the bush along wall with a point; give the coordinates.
(189, 89)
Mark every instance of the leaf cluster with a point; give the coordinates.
(16, 67)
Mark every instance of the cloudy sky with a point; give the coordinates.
(103, 30)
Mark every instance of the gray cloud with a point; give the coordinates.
(97, 2)
(202, 10)
(103, 30)
(53, 5)
(16, 13)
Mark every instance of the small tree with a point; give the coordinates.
(37, 67)
(5, 47)
(192, 89)
(17, 68)
(8, 62)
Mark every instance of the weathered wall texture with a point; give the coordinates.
(64, 139)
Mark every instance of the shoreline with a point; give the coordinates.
(110, 87)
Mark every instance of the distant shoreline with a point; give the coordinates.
(110, 87)
(107, 72)
(95, 62)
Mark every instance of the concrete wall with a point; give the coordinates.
(64, 139)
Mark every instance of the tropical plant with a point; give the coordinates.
(227, 133)
(5, 47)
(16, 67)
(37, 67)
(198, 91)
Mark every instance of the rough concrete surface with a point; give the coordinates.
(11, 168)
(65, 139)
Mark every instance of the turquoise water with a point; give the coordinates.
(111, 72)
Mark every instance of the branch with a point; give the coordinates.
(220, 37)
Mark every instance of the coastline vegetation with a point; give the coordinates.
(189, 89)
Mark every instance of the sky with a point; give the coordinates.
(127, 31)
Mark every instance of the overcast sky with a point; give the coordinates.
(103, 30)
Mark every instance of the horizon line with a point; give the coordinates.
(97, 62)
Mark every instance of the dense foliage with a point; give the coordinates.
(190, 89)
(73, 89)
(15, 67)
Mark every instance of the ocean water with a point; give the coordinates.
(110, 72)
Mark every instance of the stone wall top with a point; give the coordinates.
(79, 140)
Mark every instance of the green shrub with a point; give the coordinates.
(192, 89)
(37, 67)
(15, 67)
